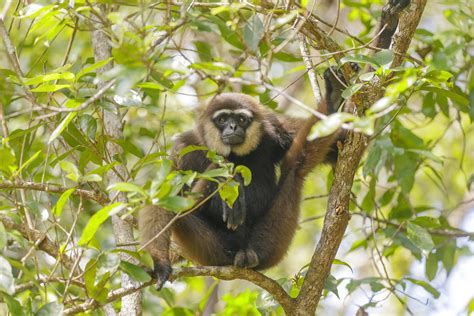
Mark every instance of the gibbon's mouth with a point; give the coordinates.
(233, 139)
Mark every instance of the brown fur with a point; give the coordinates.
(263, 239)
(271, 235)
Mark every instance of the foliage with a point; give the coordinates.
(415, 177)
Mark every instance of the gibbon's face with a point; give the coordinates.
(231, 123)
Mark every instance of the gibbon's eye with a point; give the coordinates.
(221, 120)
(242, 119)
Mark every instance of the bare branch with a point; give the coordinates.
(311, 72)
(55, 188)
(446, 232)
(223, 273)
(39, 238)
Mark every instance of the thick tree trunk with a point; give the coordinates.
(123, 231)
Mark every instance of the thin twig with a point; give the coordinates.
(54, 188)
(34, 235)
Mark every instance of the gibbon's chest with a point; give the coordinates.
(263, 187)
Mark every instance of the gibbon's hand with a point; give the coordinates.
(235, 216)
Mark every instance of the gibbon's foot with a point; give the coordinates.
(246, 259)
(161, 272)
(397, 6)
(334, 70)
(335, 84)
(235, 216)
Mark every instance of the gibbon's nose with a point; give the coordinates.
(233, 126)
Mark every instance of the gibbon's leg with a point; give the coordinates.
(197, 240)
(151, 222)
(271, 236)
(201, 243)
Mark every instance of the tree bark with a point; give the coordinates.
(112, 124)
(337, 215)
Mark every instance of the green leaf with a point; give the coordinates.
(6, 277)
(135, 271)
(431, 266)
(426, 153)
(51, 309)
(329, 125)
(204, 300)
(286, 18)
(100, 290)
(426, 221)
(215, 66)
(13, 305)
(50, 87)
(3, 236)
(351, 90)
(127, 187)
(60, 128)
(426, 286)
(33, 10)
(449, 255)
(470, 307)
(214, 173)
(330, 284)
(91, 178)
(372, 160)
(50, 77)
(96, 221)
(103, 169)
(253, 32)
(364, 125)
(89, 276)
(93, 67)
(383, 57)
(456, 97)
(358, 244)
(176, 203)
(229, 192)
(360, 59)
(419, 237)
(204, 50)
(71, 170)
(190, 149)
(245, 172)
(367, 76)
(405, 169)
(129, 147)
(58, 208)
(178, 311)
(151, 85)
(380, 105)
(343, 263)
(28, 162)
(289, 58)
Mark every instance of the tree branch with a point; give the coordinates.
(337, 215)
(445, 232)
(112, 125)
(39, 238)
(223, 273)
(55, 188)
